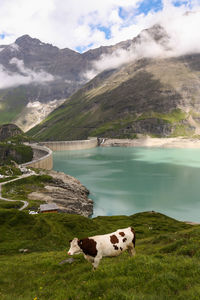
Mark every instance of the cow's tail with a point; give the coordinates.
(134, 238)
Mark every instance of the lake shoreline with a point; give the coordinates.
(97, 161)
(176, 142)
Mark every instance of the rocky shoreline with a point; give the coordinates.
(67, 192)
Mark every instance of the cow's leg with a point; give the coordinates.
(131, 250)
(96, 262)
(89, 258)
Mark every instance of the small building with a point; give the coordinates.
(49, 208)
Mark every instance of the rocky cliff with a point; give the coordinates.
(67, 192)
(8, 131)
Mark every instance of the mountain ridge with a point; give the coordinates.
(35, 71)
(151, 96)
(124, 72)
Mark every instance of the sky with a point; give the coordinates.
(84, 24)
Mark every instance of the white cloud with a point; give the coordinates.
(26, 75)
(80, 23)
(182, 29)
(147, 47)
(63, 23)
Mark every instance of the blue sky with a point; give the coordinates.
(81, 25)
(146, 6)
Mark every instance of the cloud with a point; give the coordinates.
(64, 23)
(181, 37)
(25, 75)
(145, 47)
(81, 25)
(84, 24)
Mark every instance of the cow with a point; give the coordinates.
(107, 245)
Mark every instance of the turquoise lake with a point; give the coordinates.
(124, 181)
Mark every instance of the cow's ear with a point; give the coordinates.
(70, 241)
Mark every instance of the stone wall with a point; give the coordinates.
(43, 158)
(71, 145)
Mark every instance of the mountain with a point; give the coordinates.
(35, 77)
(140, 86)
(32, 73)
(156, 96)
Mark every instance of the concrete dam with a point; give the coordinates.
(43, 155)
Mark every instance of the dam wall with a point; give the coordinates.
(42, 158)
(71, 145)
(43, 155)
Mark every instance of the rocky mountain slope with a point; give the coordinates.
(67, 192)
(156, 96)
(35, 77)
(8, 131)
(141, 86)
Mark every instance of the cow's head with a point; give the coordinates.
(74, 247)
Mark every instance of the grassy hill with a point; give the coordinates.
(12, 103)
(166, 265)
(159, 97)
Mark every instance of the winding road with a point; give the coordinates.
(20, 177)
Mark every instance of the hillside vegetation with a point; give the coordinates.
(12, 147)
(166, 265)
(18, 153)
(159, 97)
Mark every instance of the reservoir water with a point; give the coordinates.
(124, 181)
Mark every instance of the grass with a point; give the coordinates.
(34, 204)
(7, 178)
(21, 138)
(172, 117)
(10, 170)
(118, 128)
(13, 101)
(166, 265)
(15, 152)
(183, 130)
(10, 205)
(19, 190)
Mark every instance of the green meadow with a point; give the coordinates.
(166, 265)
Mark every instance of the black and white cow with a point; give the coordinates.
(112, 244)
